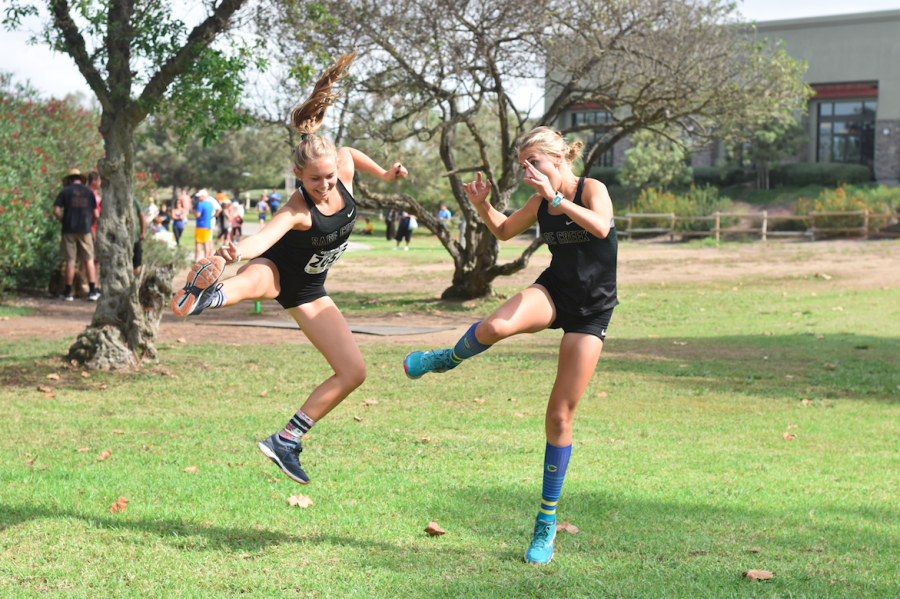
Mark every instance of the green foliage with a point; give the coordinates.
(258, 151)
(849, 198)
(697, 201)
(817, 173)
(721, 176)
(607, 175)
(42, 139)
(654, 161)
(162, 250)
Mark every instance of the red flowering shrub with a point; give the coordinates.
(40, 139)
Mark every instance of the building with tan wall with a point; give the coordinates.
(853, 65)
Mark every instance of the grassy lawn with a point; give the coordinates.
(681, 477)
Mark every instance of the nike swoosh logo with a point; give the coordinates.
(569, 222)
(351, 213)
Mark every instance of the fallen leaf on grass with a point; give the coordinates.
(181, 340)
(146, 447)
(566, 526)
(790, 426)
(789, 436)
(45, 389)
(517, 415)
(118, 506)
(820, 336)
(254, 367)
(829, 366)
(305, 437)
(601, 394)
(755, 550)
(31, 461)
(273, 480)
(263, 393)
(806, 402)
(82, 449)
(653, 336)
(190, 469)
(49, 395)
(680, 342)
(754, 575)
(682, 365)
(53, 377)
(434, 530)
(478, 400)
(768, 333)
(369, 402)
(511, 399)
(104, 455)
(837, 309)
(104, 386)
(117, 431)
(357, 418)
(423, 439)
(303, 501)
(85, 374)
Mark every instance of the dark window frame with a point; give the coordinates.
(863, 133)
(580, 118)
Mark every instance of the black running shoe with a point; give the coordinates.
(286, 456)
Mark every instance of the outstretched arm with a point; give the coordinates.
(361, 162)
(254, 246)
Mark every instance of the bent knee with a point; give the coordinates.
(493, 330)
(353, 377)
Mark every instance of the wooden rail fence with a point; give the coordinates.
(763, 229)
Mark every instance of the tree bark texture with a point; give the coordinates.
(122, 333)
(474, 262)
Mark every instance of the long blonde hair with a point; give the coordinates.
(552, 143)
(307, 118)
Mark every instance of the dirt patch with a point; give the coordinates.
(850, 264)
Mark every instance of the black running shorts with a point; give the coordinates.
(592, 324)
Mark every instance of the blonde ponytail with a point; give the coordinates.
(307, 118)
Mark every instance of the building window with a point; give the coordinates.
(594, 117)
(847, 132)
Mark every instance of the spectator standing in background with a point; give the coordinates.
(94, 183)
(262, 207)
(444, 216)
(391, 224)
(76, 208)
(203, 231)
(223, 218)
(179, 217)
(274, 202)
(164, 213)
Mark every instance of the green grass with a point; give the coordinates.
(680, 478)
(14, 311)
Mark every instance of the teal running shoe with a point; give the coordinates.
(541, 549)
(418, 363)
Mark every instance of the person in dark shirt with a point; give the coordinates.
(76, 208)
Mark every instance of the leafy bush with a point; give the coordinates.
(41, 140)
(607, 175)
(713, 175)
(697, 201)
(161, 249)
(654, 161)
(816, 173)
(850, 198)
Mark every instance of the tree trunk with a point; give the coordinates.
(475, 263)
(122, 333)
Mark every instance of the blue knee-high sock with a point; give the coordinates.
(467, 346)
(556, 460)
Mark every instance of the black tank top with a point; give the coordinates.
(309, 254)
(583, 266)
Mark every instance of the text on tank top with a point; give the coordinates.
(320, 246)
(583, 266)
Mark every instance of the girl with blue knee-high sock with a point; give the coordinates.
(576, 293)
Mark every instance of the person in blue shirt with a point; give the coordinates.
(274, 202)
(203, 232)
(444, 215)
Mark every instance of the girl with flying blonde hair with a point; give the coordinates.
(289, 259)
(576, 293)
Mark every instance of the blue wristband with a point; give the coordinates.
(556, 199)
